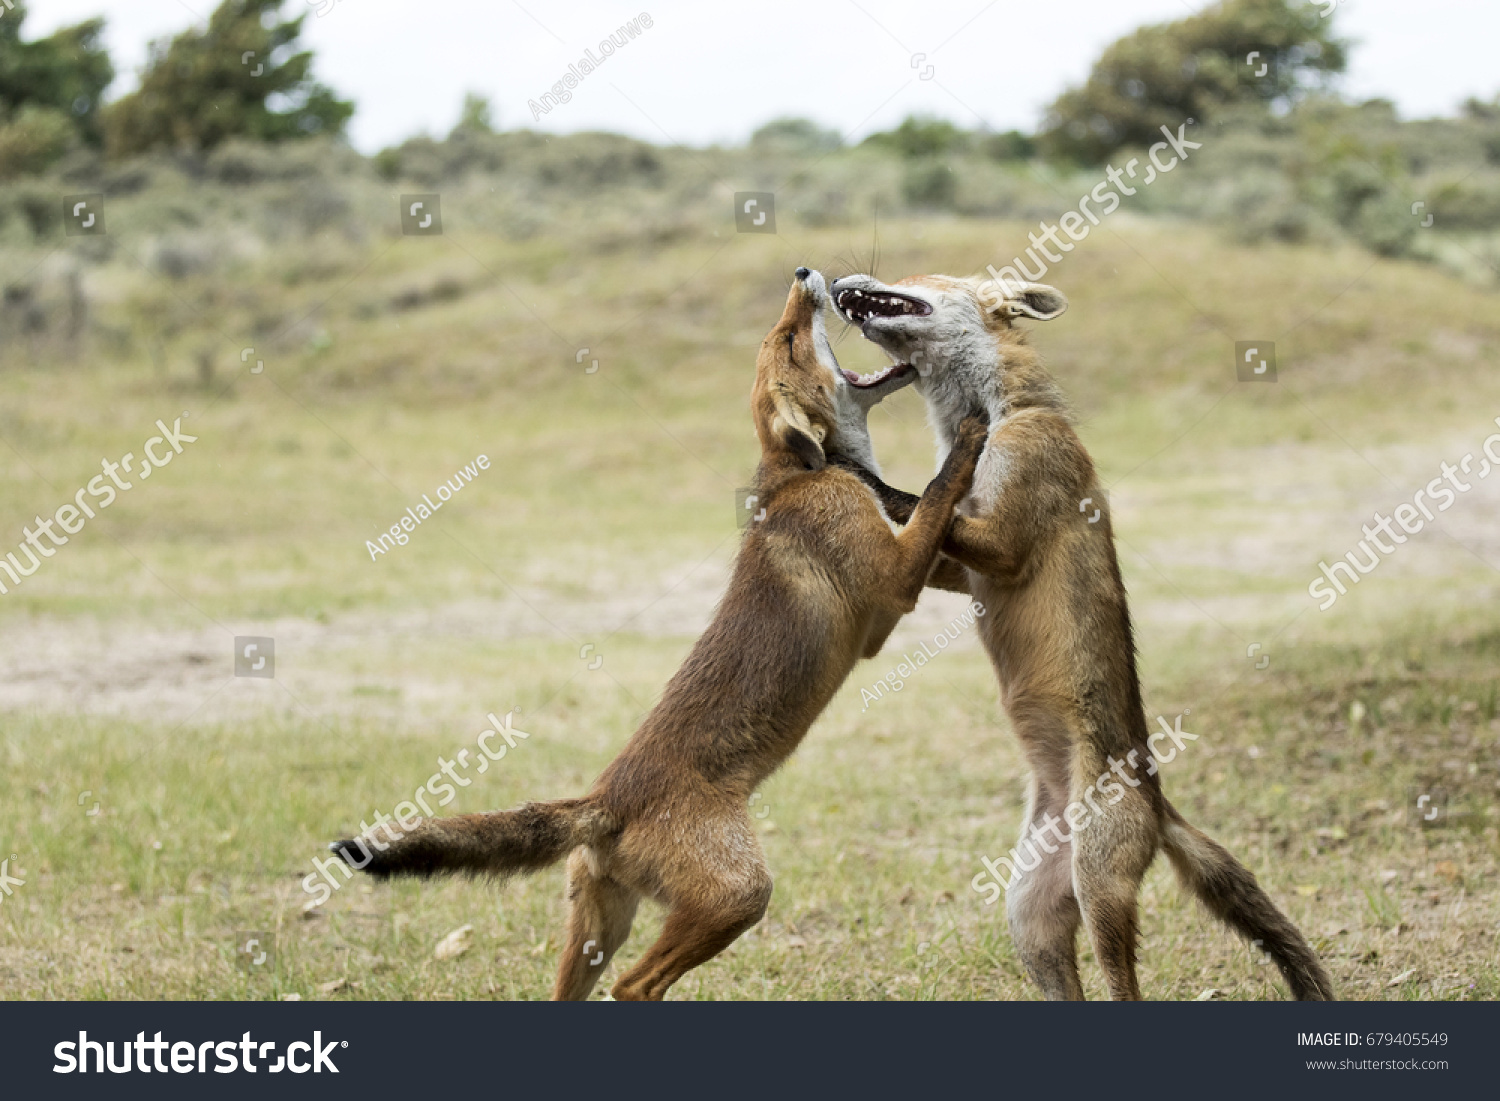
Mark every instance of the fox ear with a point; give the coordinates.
(1013, 299)
(793, 429)
(1036, 300)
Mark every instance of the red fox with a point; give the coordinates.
(820, 581)
(1058, 633)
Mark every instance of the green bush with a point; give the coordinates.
(1467, 204)
(30, 209)
(1385, 225)
(33, 139)
(1012, 145)
(1353, 182)
(930, 184)
(918, 137)
(793, 135)
(1265, 206)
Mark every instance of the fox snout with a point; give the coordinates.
(814, 285)
(807, 298)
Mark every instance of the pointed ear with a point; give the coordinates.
(793, 429)
(1013, 299)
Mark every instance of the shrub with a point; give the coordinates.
(792, 135)
(33, 139)
(1385, 225)
(930, 184)
(1012, 145)
(921, 137)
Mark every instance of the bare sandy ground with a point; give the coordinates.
(141, 670)
(1276, 518)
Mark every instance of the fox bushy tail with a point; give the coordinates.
(1231, 892)
(502, 843)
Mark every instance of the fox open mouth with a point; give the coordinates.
(859, 306)
(875, 378)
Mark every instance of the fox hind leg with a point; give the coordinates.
(1040, 905)
(692, 935)
(720, 890)
(1110, 857)
(599, 917)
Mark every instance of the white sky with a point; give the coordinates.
(710, 72)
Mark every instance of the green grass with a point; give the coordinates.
(606, 520)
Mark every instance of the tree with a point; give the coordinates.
(1238, 51)
(240, 77)
(49, 91)
(1477, 109)
(475, 117)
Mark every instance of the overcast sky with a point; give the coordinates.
(711, 72)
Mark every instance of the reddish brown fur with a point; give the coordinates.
(819, 583)
(1058, 633)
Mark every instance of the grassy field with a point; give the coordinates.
(606, 521)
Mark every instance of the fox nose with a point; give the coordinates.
(802, 273)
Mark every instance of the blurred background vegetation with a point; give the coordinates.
(234, 108)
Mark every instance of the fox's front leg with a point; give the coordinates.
(991, 546)
(899, 506)
(949, 575)
(917, 545)
(897, 503)
(997, 544)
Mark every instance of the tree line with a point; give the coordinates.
(245, 75)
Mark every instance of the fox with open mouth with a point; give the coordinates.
(1034, 544)
(820, 581)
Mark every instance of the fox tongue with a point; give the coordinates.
(864, 382)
